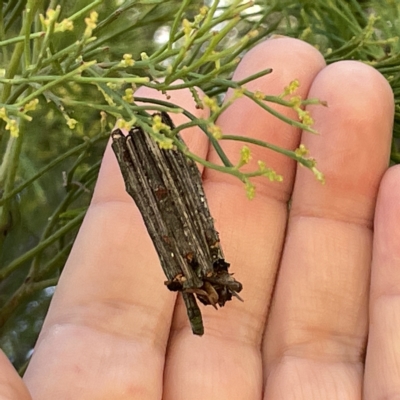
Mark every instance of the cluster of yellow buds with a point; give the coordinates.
(159, 125)
(11, 123)
(215, 130)
(211, 103)
(91, 23)
(127, 61)
(250, 189)
(51, 15)
(291, 88)
(296, 102)
(302, 152)
(245, 156)
(162, 139)
(270, 173)
(71, 122)
(126, 125)
(128, 96)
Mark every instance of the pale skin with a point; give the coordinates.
(321, 282)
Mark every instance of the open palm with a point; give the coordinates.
(321, 281)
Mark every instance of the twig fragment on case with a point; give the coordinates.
(166, 187)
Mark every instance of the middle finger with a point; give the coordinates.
(225, 363)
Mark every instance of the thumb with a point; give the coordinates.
(11, 385)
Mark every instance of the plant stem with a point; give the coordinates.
(7, 270)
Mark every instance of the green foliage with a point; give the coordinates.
(69, 73)
(367, 31)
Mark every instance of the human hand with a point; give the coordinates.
(114, 331)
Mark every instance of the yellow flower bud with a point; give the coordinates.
(127, 61)
(64, 25)
(245, 155)
(211, 103)
(250, 190)
(259, 95)
(166, 144)
(301, 151)
(71, 123)
(128, 97)
(31, 106)
(12, 126)
(215, 130)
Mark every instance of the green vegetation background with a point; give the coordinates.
(39, 221)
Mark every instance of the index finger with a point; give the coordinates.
(107, 328)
